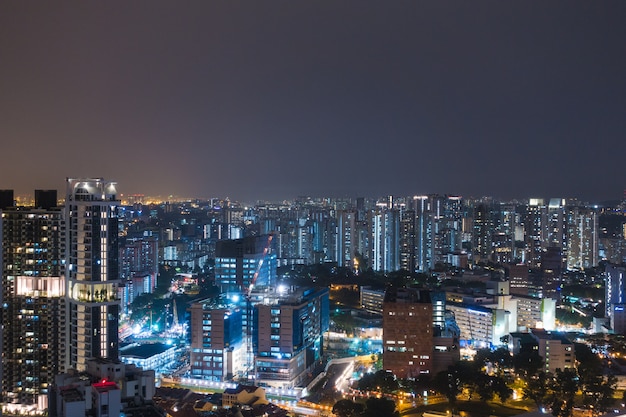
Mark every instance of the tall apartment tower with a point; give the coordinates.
(385, 240)
(536, 218)
(32, 300)
(582, 238)
(91, 208)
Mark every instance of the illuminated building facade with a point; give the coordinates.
(371, 299)
(217, 341)
(480, 326)
(33, 303)
(92, 271)
(138, 268)
(616, 297)
(287, 336)
(385, 241)
(533, 312)
(242, 263)
(535, 230)
(582, 238)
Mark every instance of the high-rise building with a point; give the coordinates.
(408, 332)
(385, 240)
(535, 230)
(483, 231)
(556, 233)
(217, 341)
(616, 297)
(138, 268)
(424, 256)
(92, 271)
(33, 303)
(241, 264)
(287, 336)
(346, 237)
(582, 238)
(407, 240)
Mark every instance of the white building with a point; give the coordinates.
(91, 207)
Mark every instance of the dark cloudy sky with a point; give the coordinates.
(274, 99)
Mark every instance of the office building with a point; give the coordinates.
(408, 332)
(241, 264)
(218, 349)
(92, 271)
(33, 303)
(535, 313)
(287, 336)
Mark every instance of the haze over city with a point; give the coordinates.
(279, 99)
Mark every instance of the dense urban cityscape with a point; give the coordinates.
(120, 305)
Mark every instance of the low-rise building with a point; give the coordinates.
(243, 395)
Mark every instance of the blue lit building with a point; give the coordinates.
(616, 297)
(241, 264)
(217, 341)
(287, 336)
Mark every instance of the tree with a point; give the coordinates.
(484, 386)
(564, 386)
(589, 364)
(347, 408)
(380, 381)
(598, 394)
(537, 388)
(380, 407)
(450, 383)
(501, 388)
(502, 360)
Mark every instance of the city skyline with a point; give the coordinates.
(272, 101)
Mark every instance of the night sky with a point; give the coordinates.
(275, 99)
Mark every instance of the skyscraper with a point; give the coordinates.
(33, 304)
(91, 208)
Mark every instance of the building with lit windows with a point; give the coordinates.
(616, 297)
(241, 264)
(480, 326)
(385, 240)
(555, 349)
(148, 355)
(533, 312)
(218, 346)
(371, 299)
(582, 238)
(287, 336)
(33, 304)
(138, 268)
(92, 271)
(105, 388)
(535, 230)
(408, 332)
